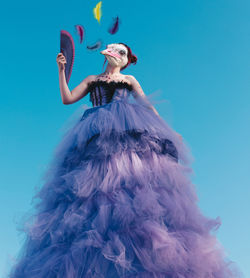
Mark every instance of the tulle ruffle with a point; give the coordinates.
(117, 201)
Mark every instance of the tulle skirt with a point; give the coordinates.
(118, 201)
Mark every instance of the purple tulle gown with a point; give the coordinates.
(118, 201)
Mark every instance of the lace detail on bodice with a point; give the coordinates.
(102, 92)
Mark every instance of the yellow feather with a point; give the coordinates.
(97, 11)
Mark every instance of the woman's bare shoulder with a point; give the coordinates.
(91, 77)
(130, 78)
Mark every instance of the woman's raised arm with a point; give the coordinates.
(69, 97)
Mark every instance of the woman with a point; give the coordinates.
(117, 199)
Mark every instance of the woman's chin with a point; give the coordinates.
(113, 61)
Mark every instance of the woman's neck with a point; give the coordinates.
(111, 70)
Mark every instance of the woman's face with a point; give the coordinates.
(116, 54)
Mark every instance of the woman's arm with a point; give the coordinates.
(80, 91)
(139, 94)
(69, 97)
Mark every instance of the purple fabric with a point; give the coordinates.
(115, 203)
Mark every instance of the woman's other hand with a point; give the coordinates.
(180, 136)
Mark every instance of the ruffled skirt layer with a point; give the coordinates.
(118, 202)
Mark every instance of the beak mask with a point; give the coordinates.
(116, 54)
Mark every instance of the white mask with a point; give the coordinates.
(116, 54)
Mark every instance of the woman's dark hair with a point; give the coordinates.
(132, 59)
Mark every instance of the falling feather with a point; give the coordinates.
(95, 46)
(97, 11)
(115, 26)
(80, 31)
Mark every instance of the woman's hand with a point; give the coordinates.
(180, 136)
(61, 61)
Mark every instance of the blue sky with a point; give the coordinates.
(195, 54)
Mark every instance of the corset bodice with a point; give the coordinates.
(103, 92)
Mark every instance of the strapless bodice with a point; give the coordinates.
(103, 92)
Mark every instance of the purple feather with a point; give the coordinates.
(80, 31)
(115, 26)
(95, 46)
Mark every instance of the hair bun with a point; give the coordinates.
(133, 59)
